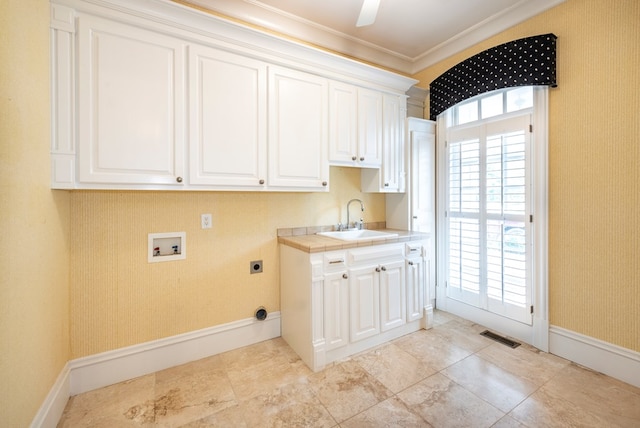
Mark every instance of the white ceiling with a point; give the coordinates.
(408, 35)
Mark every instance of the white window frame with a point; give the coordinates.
(537, 334)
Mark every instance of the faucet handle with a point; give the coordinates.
(340, 227)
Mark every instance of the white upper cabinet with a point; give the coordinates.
(227, 119)
(391, 176)
(370, 127)
(355, 127)
(298, 129)
(131, 105)
(343, 124)
(196, 102)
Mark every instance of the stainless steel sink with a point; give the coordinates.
(355, 235)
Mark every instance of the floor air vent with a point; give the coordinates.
(510, 343)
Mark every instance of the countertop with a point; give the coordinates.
(312, 243)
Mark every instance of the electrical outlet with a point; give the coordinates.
(255, 266)
(205, 221)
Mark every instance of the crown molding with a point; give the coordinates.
(257, 14)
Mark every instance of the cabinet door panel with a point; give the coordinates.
(336, 310)
(343, 124)
(370, 126)
(393, 150)
(131, 103)
(298, 129)
(228, 118)
(392, 295)
(415, 288)
(364, 302)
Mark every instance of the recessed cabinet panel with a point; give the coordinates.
(336, 310)
(228, 119)
(392, 295)
(390, 178)
(298, 129)
(343, 124)
(415, 288)
(131, 104)
(370, 126)
(364, 286)
(393, 150)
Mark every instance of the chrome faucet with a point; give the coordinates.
(356, 224)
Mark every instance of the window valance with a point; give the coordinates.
(522, 62)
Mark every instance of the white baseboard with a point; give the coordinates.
(603, 357)
(51, 409)
(107, 368)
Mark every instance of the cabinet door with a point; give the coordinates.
(369, 127)
(343, 124)
(364, 302)
(298, 130)
(415, 288)
(336, 310)
(131, 104)
(228, 118)
(392, 143)
(392, 295)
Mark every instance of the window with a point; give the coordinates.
(488, 198)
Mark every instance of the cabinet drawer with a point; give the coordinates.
(362, 255)
(334, 261)
(414, 249)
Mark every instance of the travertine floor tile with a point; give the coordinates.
(431, 349)
(346, 389)
(229, 417)
(387, 414)
(545, 409)
(192, 391)
(489, 382)
(444, 403)
(393, 367)
(449, 376)
(290, 406)
(524, 361)
(615, 401)
(112, 405)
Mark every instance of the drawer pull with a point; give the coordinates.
(345, 276)
(333, 262)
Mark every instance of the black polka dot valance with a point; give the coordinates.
(524, 62)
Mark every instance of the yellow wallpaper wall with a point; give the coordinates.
(34, 220)
(594, 164)
(119, 299)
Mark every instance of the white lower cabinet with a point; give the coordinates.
(415, 282)
(364, 302)
(336, 309)
(338, 303)
(393, 303)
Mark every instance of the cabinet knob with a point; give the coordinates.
(261, 182)
(410, 263)
(324, 183)
(386, 184)
(383, 268)
(362, 158)
(377, 269)
(345, 276)
(354, 158)
(179, 179)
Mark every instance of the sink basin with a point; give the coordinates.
(354, 235)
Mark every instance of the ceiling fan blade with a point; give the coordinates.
(368, 13)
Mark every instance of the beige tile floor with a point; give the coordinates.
(448, 376)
